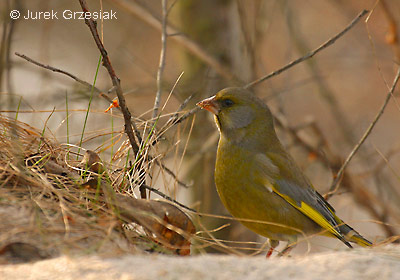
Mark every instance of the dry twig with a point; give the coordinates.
(310, 54)
(191, 46)
(334, 186)
(115, 81)
(163, 52)
(105, 96)
(57, 70)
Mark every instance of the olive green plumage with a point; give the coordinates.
(257, 179)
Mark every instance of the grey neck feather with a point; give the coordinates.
(233, 127)
(240, 117)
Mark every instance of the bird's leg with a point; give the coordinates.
(289, 247)
(272, 245)
(269, 253)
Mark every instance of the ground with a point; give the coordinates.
(379, 263)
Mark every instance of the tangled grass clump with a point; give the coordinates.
(49, 207)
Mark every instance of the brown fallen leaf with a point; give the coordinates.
(92, 161)
(169, 225)
(163, 222)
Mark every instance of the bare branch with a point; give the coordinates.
(168, 198)
(102, 94)
(57, 70)
(161, 65)
(334, 187)
(173, 119)
(191, 46)
(310, 54)
(171, 173)
(115, 81)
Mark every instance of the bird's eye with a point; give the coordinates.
(227, 102)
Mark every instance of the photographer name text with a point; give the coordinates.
(67, 14)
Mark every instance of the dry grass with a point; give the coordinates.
(47, 207)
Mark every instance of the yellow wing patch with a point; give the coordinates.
(317, 217)
(269, 170)
(311, 213)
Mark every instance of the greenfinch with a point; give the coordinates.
(257, 180)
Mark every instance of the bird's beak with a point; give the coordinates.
(210, 105)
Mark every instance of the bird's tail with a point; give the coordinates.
(353, 236)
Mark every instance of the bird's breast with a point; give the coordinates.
(242, 190)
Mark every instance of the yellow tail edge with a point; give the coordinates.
(360, 241)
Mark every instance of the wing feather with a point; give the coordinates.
(298, 192)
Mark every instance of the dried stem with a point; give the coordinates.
(54, 69)
(310, 54)
(334, 187)
(7, 58)
(168, 198)
(190, 45)
(57, 70)
(161, 65)
(172, 121)
(115, 81)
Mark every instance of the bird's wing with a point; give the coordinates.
(284, 178)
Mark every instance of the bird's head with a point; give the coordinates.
(238, 113)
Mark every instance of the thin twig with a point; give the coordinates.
(324, 89)
(310, 54)
(168, 198)
(334, 187)
(3, 45)
(163, 52)
(333, 163)
(8, 64)
(102, 94)
(190, 45)
(57, 70)
(172, 120)
(187, 115)
(185, 102)
(175, 116)
(157, 161)
(172, 174)
(249, 44)
(129, 125)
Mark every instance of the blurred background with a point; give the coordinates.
(323, 105)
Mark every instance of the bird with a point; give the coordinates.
(259, 183)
